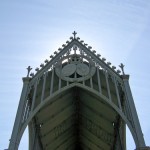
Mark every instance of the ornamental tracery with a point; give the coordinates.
(75, 68)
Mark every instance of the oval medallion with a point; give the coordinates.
(68, 69)
(82, 69)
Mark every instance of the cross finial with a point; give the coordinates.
(29, 69)
(74, 34)
(122, 68)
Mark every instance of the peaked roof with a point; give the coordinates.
(75, 115)
(74, 41)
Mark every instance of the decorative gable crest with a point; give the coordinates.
(74, 62)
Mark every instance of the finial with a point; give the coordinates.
(78, 38)
(31, 74)
(108, 63)
(74, 34)
(103, 59)
(29, 69)
(51, 56)
(41, 65)
(98, 55)
(94, 51)
(82, 41)
(59, 49)
(89, 47)
(118, 71)
(63, 45)
(122, 68)
(46, 61)
(71, 38)
(37, 69)
(55, 52)
(113, 67)
(67, 42)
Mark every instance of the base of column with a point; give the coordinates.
(143, 148)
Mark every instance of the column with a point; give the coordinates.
(117, 93)
(52, 81)
(14, 141)
(34, 94)
(136, 124)
(43, 88)
(108, 88)
(99, 81)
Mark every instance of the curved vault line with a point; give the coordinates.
(52, 97)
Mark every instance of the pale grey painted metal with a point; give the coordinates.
(135, 121)
(14, 142)
(62, 52)
(117, 93)
(33, 138)
(43, 88)
(99, 81)
(133, 125)
(91, 82)
(34, 95)
(83, 82)
(52, 81)
(89, 90)
(26, 111)
(107, 83)
(59, 83)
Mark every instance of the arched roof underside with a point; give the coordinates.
(77, 119)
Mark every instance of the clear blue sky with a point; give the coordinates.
(31, 30)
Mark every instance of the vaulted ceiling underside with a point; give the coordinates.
(76, 119)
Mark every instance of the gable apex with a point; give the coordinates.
(78, 46)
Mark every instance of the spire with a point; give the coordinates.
(29, 69)
(122, 68)
(74, 34)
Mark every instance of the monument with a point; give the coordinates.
(76, 101)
